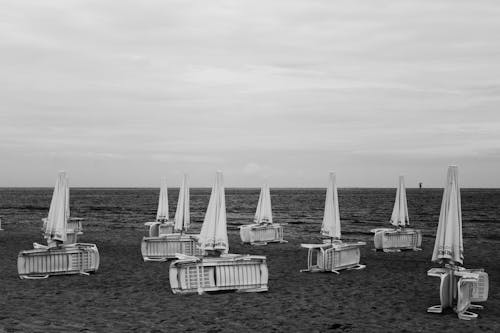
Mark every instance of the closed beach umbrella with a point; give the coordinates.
(449, 243)
(55, 228)
(399, 217)
(182, 218)
(213, 235)
(331, 218)
(264, 213)
(162, 213)
(67, 197)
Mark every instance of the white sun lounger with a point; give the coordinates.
(262, 234)
(39, 263)
(242, 273)
(392, 240)
(460, 286)
(333, 257)
(74, 228)
(156, 229)
(167, 247)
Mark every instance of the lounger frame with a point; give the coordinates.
(157, 229)
(392, 240)
(168, 246)
(458, 288)
(74, 228)
(261, 234)
(333, 257)
(241, 273)
(79, 258)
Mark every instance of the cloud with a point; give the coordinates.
(252, 168)
(189, 82)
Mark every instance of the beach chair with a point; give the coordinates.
(333, 257)
(445, 289)
(393, 240)
(229, 272)
(168, 246)
(460, 286)
(74, 229)
(156, 229)
(42, 262)
(261, 234)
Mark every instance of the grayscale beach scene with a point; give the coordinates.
(249, 166)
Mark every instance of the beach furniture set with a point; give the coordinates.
(263, 230)
(62, 254)
(162, 225)
(459, 287)
(399, 237)
(216, 269)
(203, 263)
(333, 254)
(174, 239)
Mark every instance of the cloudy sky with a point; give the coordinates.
(119, 93)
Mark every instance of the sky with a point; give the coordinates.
(121, 93)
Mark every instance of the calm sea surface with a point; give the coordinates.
(360, 208)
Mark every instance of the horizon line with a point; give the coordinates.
(237, 187)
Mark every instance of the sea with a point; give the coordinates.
(361, 209)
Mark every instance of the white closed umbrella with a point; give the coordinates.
(182, 218)
(55, 229)
(399, 217)
(449, 242)
(331, 217)
(162, 213)
(213, 235)
(264, 214)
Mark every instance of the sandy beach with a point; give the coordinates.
(126, 294)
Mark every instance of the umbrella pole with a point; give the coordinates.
(452, 285)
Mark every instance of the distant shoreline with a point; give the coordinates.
(244, 188)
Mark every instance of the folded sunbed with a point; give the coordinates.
(262, 233)
(393, 240)
(230, 272)
(42, 262)
(333, 257)
(167, 246)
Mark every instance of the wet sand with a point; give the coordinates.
(126, 294)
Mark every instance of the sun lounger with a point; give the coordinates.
(74, 228)
(41, 262)
(155, 229)
(262, 233)
(392, 240)
(461, 287)
(333, 257)
(166, 247)
(445, 294)
(165, 229)
(242, 273)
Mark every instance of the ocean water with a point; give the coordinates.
(361, 209)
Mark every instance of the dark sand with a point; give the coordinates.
(128, 295)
